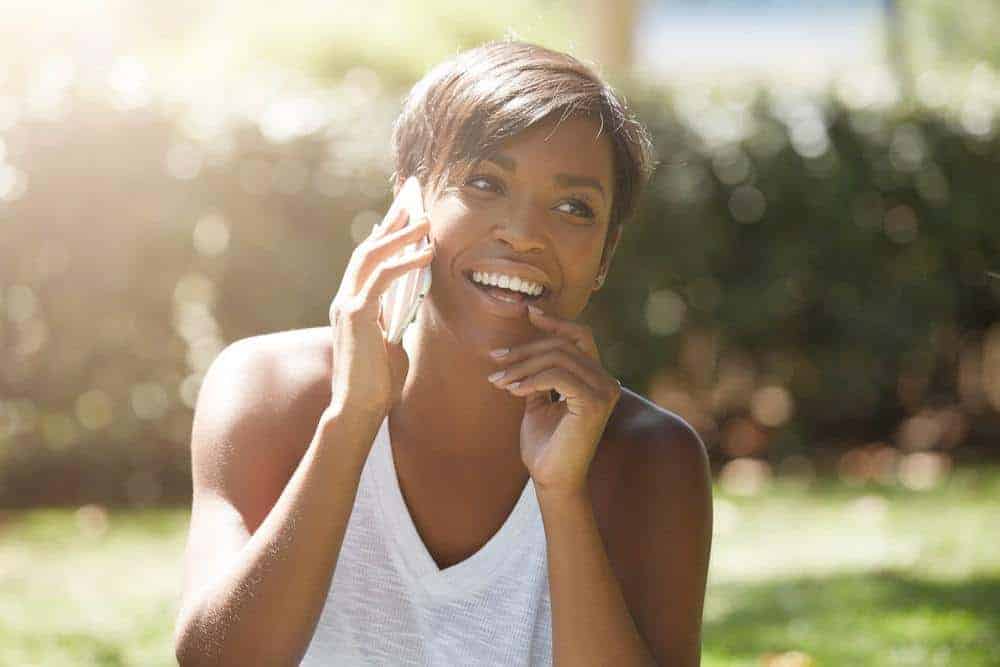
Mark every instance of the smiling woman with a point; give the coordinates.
(358, 501)
(461, 112)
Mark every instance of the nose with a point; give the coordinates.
(522, 231)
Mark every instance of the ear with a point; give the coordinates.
(609, 252)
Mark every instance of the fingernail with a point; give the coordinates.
(496, 376)
(496, 354)
(535, 309)
(513, 385)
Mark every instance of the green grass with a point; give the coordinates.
(845, 576)
(875, 576)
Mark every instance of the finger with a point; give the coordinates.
(392, 240)
(510, 355)
(394, 218)
(372, 251)
(556, 357)
(579, 395)
(376, 251)
(518, 353)
(391, 269)
(580, 334)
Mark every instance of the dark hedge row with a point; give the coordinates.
(805, 279)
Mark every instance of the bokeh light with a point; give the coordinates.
(812, 282)
(94, 409)
(745, 477)
(664, 312)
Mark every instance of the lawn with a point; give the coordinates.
(826, 575)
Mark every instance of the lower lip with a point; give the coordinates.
(500, 307)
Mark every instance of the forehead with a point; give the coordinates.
(576, 145)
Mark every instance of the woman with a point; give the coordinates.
(357, 502)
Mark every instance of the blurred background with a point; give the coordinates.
(813, 282)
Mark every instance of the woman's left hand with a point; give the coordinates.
(559, 439)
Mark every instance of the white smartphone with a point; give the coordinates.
(401, 300)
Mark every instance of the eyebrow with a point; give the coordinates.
(563, 180)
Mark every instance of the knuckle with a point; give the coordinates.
(561, 355)
(347, 309)
(350, 312)
(379, 245)
(613, 391)
(386, 272)
(566, 344)
(364, 247)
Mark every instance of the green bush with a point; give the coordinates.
(804, 278)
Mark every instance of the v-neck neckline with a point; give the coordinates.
(460, 578)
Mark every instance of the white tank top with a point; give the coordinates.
(390, 604)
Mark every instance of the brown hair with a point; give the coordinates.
(462, 110)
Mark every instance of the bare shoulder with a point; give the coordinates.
(256, 412)
(650, 464)
(646, 438)
(294, 364)
(657, 479)
(660, 525)
(288, 373)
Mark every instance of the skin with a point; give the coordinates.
(499, 211)
(629, 478)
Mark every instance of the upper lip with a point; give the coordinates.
(511, 268)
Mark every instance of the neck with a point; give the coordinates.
(449, 410)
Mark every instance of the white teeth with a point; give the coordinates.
(514, 283)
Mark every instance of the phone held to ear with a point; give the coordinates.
(401, 300)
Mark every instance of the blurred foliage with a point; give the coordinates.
(185, 39)
(953, 32)
(808, 282)
(822, 265)
(403, 39)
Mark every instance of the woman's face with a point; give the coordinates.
(538, 210)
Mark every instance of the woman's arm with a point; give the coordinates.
(654, 616)
(591, 624)
(256, 599)
(259, 603)
(667, 506)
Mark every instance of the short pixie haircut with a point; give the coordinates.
(462, 110)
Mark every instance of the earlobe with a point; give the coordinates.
(609, 252)
(601, 275)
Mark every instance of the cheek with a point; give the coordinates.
(453, 230)
(453, 225)
(582, 258)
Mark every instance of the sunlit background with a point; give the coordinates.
(813, 281)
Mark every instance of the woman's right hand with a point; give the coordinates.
(368, 371)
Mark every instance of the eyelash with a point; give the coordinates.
(585, 209)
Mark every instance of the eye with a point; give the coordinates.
(484, 184)
(579, 207)
(490, 184)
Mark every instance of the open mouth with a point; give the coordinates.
(505, 294)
